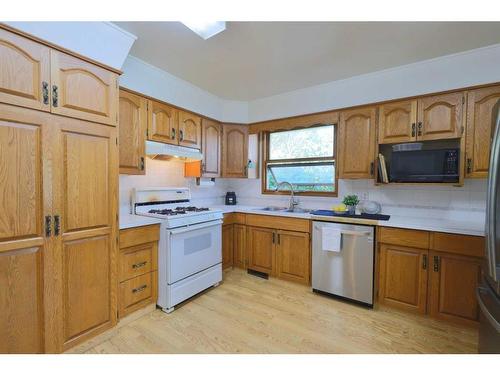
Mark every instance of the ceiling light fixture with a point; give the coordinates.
(206, 29)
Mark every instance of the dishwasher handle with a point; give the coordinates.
(355, 233)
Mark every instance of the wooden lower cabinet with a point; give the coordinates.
(439, 278)
(227, 245)
(281, 253)
(239, 246)
(453, 280)
(403, 277)
(137, 268)
(293, 256)
(21, 301)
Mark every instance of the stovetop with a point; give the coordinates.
(178, 210)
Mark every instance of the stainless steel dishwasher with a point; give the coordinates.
(346, 271)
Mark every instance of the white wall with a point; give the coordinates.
(101, 41)
(161, 173)
(152, 81)
(459, 70)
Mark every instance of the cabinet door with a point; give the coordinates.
(83, 90)
(261, 249)
(440, 116)
(397, 122)
(480, 119)
(189, 130)
(85, 199)
(227, 245)
(24, 72)
(25, 253)
(293, 256)
(132, 132)
(239, 246)
(356, 142)
(453, 282)
(234, 151)
(163, 123)
(403, 277)
(211, 148)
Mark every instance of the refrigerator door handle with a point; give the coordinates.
(491, 319)
(492, 199)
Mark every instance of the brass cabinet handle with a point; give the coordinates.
(57, 225)
(274, 237)
(48, 226)
(173, 133)
(139, 289)
(469, 165)
(45, 92)
(55, 96)
(436, 263)
(424, 262)
(413, 128)
(181, 135)
(420, 128)
(279, 238)
(141, 163)
(139, 265)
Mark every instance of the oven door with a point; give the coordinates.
(193, 249)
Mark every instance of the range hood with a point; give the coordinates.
(157, 150)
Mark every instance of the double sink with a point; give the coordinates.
(284, 209)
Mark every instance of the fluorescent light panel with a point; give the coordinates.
(206, 29)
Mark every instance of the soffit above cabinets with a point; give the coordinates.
(251, 60)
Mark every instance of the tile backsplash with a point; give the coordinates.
(437, 201)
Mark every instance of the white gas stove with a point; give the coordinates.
(190, 247)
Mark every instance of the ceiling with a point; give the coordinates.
(251, 60)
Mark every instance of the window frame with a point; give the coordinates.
(266, 160)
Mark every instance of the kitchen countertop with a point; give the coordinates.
(132, 221)
(473, 228)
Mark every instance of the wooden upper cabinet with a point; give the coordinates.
(453, 282)
(356, 143)
(24, 72)
(234, 151)
(25, 255)
(440, 116)
(189, 130)
(83, 90)
(403, 277)
(397, 122)
(163, 123)
(132, 132)
(211, 148)
(480, 123)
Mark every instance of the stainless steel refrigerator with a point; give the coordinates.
(488, 294)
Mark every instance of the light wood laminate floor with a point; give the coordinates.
(246, 314)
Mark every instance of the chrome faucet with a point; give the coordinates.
(292, 203)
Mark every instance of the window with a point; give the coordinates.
(303, 157)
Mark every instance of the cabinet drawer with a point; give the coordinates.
(404, 237)
(135, 290)
(234, 218)
(278, 222)
(136, 262)
(140, 235)
(458, 244)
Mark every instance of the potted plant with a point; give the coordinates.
(351, 201)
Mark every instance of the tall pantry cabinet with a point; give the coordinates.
(58, 189)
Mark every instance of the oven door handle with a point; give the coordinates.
(190, 228)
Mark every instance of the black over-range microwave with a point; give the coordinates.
(425, 166)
